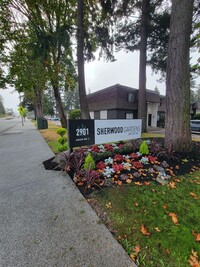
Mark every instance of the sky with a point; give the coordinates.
(101, 74)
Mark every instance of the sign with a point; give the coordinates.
(80, 133)
(89, 132)
(116, 130)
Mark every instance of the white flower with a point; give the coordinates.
(109, 161)
(114, 145)
(108, 171)
(144, 160)
(126, 156)
(139, 154)
(126, 165)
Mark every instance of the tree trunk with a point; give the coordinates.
(80, 57)
(142, 105)
(59, 107)
(178, 135)
(38, 103)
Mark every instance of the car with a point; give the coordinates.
(195, 125)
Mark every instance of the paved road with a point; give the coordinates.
(44, 220)
(8, 123)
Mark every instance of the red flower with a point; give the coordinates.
(118, 157)
(118, 167)
(120, 146)
(133, 155)
(100, 165)
(152, 159)
(137, 164)
(108, 147)
(95, 149)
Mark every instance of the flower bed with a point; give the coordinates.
(139, 162)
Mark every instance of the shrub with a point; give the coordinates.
(89, 162)
(61, 131)
(62, 140)
(63, 147)
(144, 148)
(75, 114)
(197, 116)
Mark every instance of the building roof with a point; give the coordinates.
(116, 97)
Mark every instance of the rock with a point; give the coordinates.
(161, 181)
(61, 159)
(162, 178)
(159, 169)
(123, 177)
(165, 164)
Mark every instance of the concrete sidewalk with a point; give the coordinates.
(44, 220)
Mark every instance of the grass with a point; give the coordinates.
(161, 241)
(165, 243)
(50, 136)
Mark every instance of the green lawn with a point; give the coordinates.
(143, 218)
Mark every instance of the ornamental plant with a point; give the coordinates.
(144, 148)
(89, 163)
(62, 140)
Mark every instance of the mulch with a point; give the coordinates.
(181, 165)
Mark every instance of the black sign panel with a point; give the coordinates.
(80, 133)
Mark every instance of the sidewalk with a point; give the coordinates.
(45, 221)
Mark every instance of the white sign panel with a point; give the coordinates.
(116, 130)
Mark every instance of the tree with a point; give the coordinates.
(145, 28)
(52, 24)
(93, 32)
(71, 99)
(142, 105)
(80, 60)
(2, 109)
(177, 135)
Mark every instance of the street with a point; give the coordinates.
(8, 123)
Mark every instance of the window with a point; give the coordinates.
(130, 97)
(129, 115)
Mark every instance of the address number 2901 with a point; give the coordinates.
(82, 132)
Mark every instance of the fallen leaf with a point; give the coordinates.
(132, 256)
(172, 185)
(197, 236)
(109, 205)
(136, 250)
(136, 204)
(144, 230)
(128, 181)
(164, 206)
(177, 180)
(194, 195)
(167, 251)
(119, 182)
(193, 260)
(138, 183)
(146, 183)
(157, 229)
(174, 217)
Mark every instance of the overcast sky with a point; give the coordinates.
(101, 74)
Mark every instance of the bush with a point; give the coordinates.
(61, 131)
(197, 116)
(89, 163)
(62, 148)
(62, 140)
(75, 114)
(144, 148)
